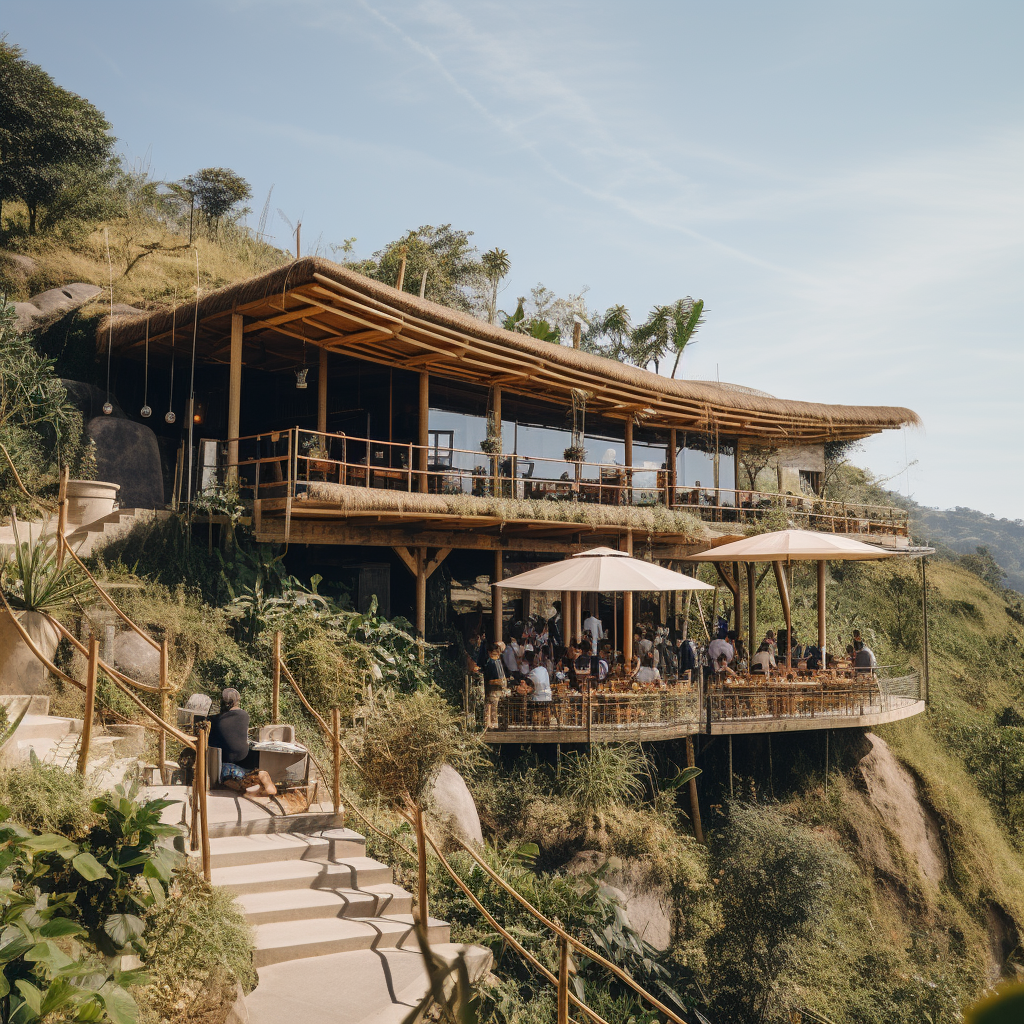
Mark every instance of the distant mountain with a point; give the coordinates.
(964, 530)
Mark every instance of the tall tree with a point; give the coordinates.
(667, 329)
(55, 146)
(496, 265)
(215, 191)
(616, 327)
(687, 316)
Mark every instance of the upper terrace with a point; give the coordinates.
(416, 397)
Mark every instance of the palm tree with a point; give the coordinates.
(496, 265)
(616, 326)
(687, 317)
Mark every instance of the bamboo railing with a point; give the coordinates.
(414, 816)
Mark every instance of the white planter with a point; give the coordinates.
(89, 500)
(20, 670)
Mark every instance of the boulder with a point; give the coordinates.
(451, 804)
(67, 297)
(127, 453)
(26, 314)
(135, 657)
(88, 399)
(647, 906)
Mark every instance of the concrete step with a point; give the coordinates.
(348, 872)
(15, 703)
(297, 940)
(306, 823)
(308, 904)
(332, 844)
(46, 727)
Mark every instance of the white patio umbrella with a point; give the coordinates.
(603, 570)
(792, 546)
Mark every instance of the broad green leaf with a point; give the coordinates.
(5, 985)
(49, 843)
(122, 928)
(161, 864)
(57, 995)
(59, 926)
(119, 1004)
(31, 995)
(89, 867)
(50, 955)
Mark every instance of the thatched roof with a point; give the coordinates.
(316, 302)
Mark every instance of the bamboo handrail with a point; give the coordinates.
(109, 669)
(551, 925)
(107, 598)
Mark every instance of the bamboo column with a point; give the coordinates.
(566, 617)
(924, 617)
(752, 607)
(62, 514)
(164, 711)
(424, 427)
(780, 580)
(821, 609)
(698, 831)
(90, 703)
(670, 466)
(563, 980)
(627, 610)
(421, 601)
(628, 459)
(738, 606)
(496, 459)
(202, 745)
(336, 750)
(421, 876)
(496, 598)
(321, 396)
(276, 705)
(234, 395)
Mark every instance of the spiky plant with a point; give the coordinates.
(35, 581)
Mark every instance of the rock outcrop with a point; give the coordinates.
(451, 804)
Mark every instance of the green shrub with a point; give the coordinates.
(607, 775)
(48, 798)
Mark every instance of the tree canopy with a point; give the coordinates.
(216, 191)
(55, 146)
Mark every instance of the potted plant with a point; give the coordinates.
(89, 499)
(36, 587)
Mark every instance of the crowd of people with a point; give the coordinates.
(536, 654)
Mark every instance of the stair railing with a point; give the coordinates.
(565, 939)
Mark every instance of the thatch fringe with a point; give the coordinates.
(644, 519)
(129, 329)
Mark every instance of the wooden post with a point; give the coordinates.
(90, 703)
(202, 745)
(234, 395)
(62, 514)
(628, 459)
(780, 581)
(566, 617)
(627, 611)
(496, 459)
(421, 602)
(738, 601)
(577, 332)
(563, 980)
(686, 615)
(276, 703)
(400, 283)
(164, 711)
(424, 427)
(336, 751)
(421, 859)
(698, 831)
(924, 631)
(577, 616)
(497, 618)
(752, 608)
(321, 396)
(821, 609)
(670, 467)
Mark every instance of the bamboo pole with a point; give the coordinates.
(90, 704)
(62, 515)
(752, 608)
(821, 609)
(780, 580)
(336, 745)
(202, 746)
(496, 597)
(698, 831)
(276, 712)
(421, 603)
(563, 981)
(924, 616)
(321, 395)
(234, 394)
(627, 606)
(423, 434)
(164, 696)
(421, 868)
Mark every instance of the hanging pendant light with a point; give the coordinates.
(145, 412)
(107, 408)
(300, 378)
(170, 417)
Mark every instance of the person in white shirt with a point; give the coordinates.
(763, 661)
(718, 647)
(510, 658)
(538, 677)
(592, 625)
(647, 673)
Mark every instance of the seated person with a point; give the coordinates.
(721, 668)
(719, 648)
(647, 673)
(764, 660)
(812, 653)
(229, 731)
(864, 658)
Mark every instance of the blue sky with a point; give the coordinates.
(842, 184)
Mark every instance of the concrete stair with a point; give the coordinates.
(334, 934)
(88, 538)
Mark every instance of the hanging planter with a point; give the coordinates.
(491, 445)
(575, 452)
